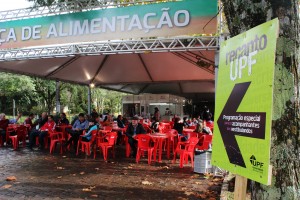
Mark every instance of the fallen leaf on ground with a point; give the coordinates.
(147, 183)
(86, 190)
(97, 169)
(202, 196)
(11, 178)
(129, 167)
(94, 196)
(60, 168)
(73, 174)
(188, 193)
(198, 183)
(59, 177)
(64, 156)
(6, 186)
(82, 173)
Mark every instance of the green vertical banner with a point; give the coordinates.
(244, 102)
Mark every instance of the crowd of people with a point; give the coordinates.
(83, 125)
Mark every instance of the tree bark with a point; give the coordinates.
(241, 15)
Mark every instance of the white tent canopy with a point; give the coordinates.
(176, 73)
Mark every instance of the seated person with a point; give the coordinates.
(63, 119)
(185, 122)
(134, 128)
(49, 126)
(120, 125)
(154, 125)
(93, 125)
(109, 121)
(194, 122)
(201, 128)
(29, 119)
(4, 124)
(178, 126)
(80, 124)
(120, 122)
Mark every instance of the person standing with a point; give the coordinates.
(133, 129)
(156, 114)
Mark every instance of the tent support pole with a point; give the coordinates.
(58, 97)
(89, 99)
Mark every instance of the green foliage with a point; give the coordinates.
(37, 95)
(19, 88)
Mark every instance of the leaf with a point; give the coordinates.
(147, 183)
(11, 178)
(59, 177)
(6, 186)
(94, 196)
(97, 169)
(60, 168)
(86, 190)
(198, 183)
(188, 193)
(82, 173)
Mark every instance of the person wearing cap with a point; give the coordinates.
(134, 128)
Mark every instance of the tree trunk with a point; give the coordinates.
(241, 15)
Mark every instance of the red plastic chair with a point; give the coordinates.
(193, 134)
(147, 128)
(204, 142)
(112, 139)
(210, 124)
(127, 146)
(192, 127)
(86, 146)
(55, 138)
(173, 139)
(107, 128)
(189, 150)
(9, 130)
(144, 145)
(21, 136)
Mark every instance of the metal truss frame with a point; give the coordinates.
(114, 47)
(69, 6)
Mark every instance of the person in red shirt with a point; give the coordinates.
(29, 119)
(43, 132)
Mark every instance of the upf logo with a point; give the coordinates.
(256, 163)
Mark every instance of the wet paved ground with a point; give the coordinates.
(43, 176)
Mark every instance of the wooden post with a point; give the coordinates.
(240, 188)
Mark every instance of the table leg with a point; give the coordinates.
(160, 149)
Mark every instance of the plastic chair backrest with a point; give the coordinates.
(21, 131)
(204, 141)
(10, 129)
(94, 135)
(112, 138)
(143, 141)
(193, 134)
(107, 128)
(192, 144)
